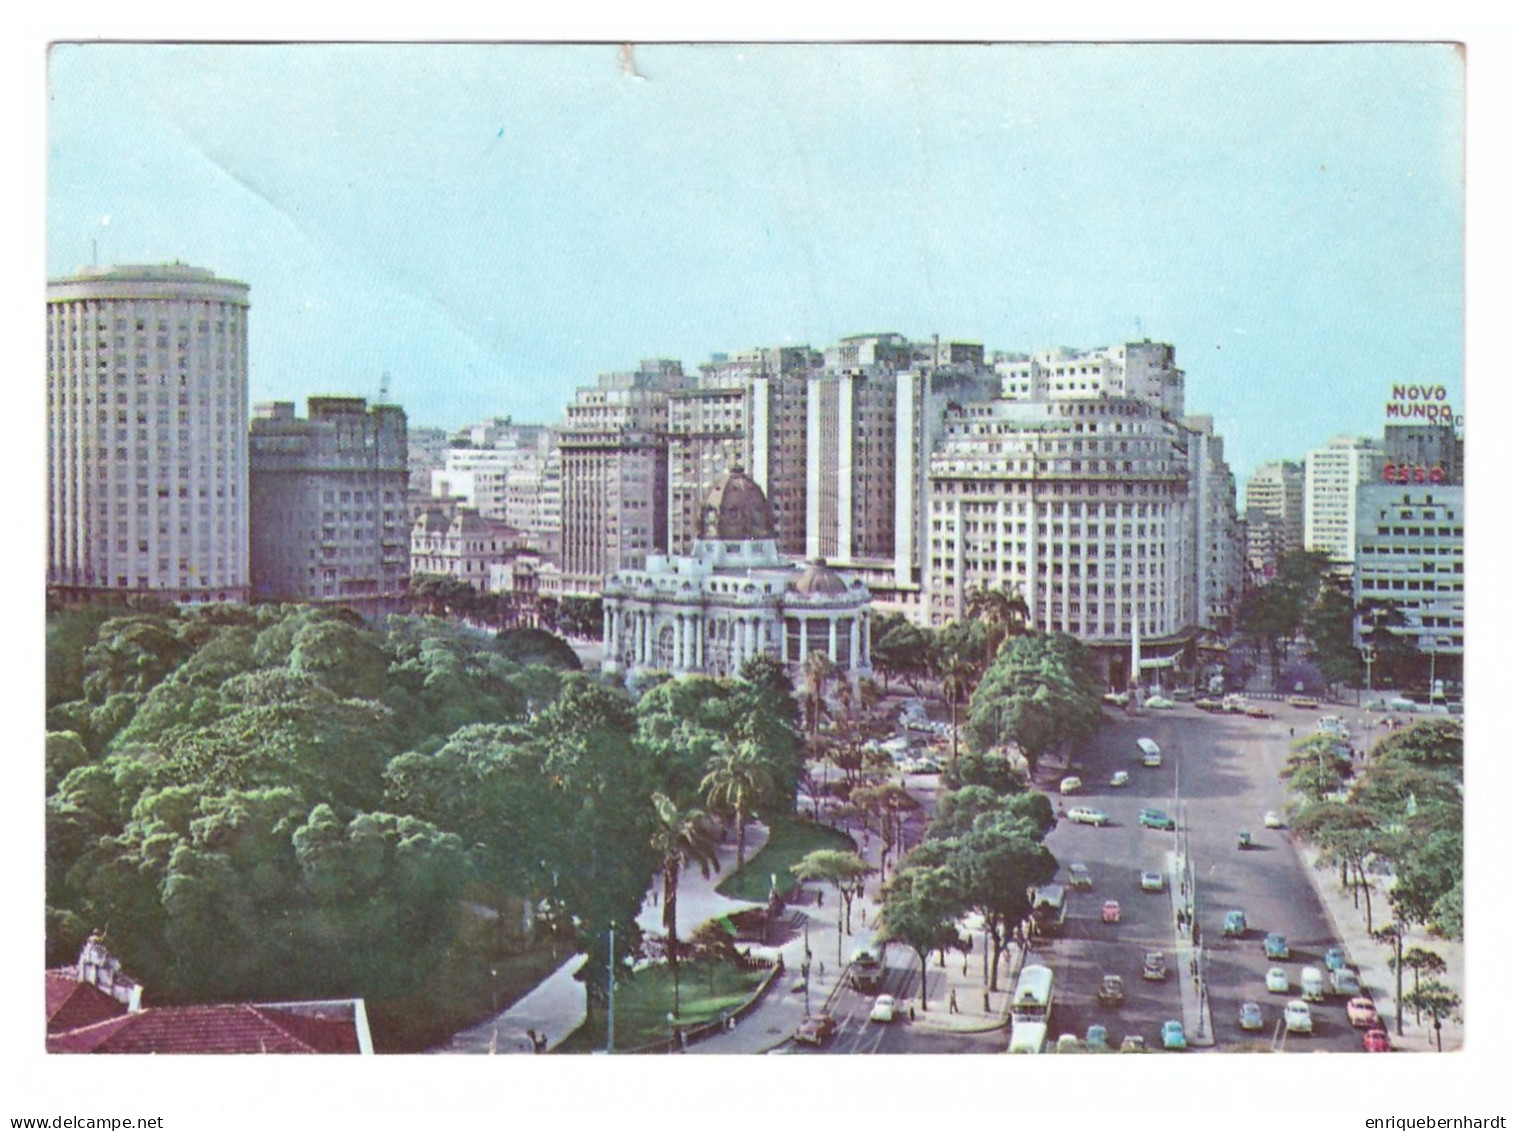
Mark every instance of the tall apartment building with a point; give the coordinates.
(1218, 555)
(147, 433)
(1275, 508)
(1426, 446)
(747, 409)
(1410, 554)
(614, 452)
(328, 518)
(1332, 478)
(1083, 488)
(873, 416)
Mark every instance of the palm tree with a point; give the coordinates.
(817, 670)
(736, 781)
(680, 838)
(1004, 611)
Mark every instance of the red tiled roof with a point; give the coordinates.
(82, 1018)
(72, 1004)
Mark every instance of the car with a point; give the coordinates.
(1082, 815)
(1376, 1040)
(1155, 819)
(1152, 881)
(1151, 759)
(1275, 945)
(1158, 703)
(1276, 981)
(1345, 983)
(1155, 967)
(1297, 1017)
(1112, 990)
(883, 1009)
(1212, 705)
(1094, 1037)
(1335, 958)
(1244, 839)
(1305, 703)
(1068, 1042)
(1183, 694)
(1119, 779)
(1110, 912)
(816, 1029)
(1117, 698)
(1258, 713)
(1362, 1014)
(1070, 785)
(1079, 878)
(1134, 1043)
(1272, 820)
(1250, 1016)
(1235, 925)
(1173, 1036)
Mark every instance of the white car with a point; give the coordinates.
(1272, 820)
(1152, 881)
(884, 1009)
(1070, 785)
(1085, 816)
(1152, 759)
(1297, 1017)
(1119, 779)
(1277, 981)
(1158, 703)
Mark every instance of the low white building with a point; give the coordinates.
(733, 597)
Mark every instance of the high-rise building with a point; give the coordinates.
(746, 409)
(1410, 555)
(873, 416)
(614, 453)
(147, 433)
(328, 520)
(1084, 489)
(1275, 508)
(1332, 477)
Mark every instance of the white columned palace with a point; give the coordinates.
(731, 598)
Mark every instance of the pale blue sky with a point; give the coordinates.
(496, 225)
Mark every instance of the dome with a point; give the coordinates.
(736, 510)
(431, 521)
(819, 580)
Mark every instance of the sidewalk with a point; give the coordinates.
(1372, 959)
(554, 1009)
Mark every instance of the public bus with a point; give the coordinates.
(1049, 911)
(1032, 999)
(1028, 1037)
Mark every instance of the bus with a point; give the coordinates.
(1049, 911)
(1032, 999)
(1028, 1037)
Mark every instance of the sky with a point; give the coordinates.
(494, 225)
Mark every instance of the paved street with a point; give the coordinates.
(1225, 768)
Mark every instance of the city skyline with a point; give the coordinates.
(493, 226)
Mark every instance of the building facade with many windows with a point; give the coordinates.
(613, 451)
(148, 433)
(328, 520)
(1333, 475)
(1410, 555)
(1274, 504)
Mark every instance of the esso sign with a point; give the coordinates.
(1406, 473)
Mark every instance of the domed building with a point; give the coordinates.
(733, 597)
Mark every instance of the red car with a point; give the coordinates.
(1111, 912)
(816, 1029)
(1376, 1040)
(1362, 1014)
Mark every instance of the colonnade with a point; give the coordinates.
(631, 637)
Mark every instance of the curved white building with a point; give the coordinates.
(148, 433)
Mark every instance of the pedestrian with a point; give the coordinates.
(1292, 732)
(531, 1037)
(819, 895)
(913, 1013)
(821, 969)
(952, 1001)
